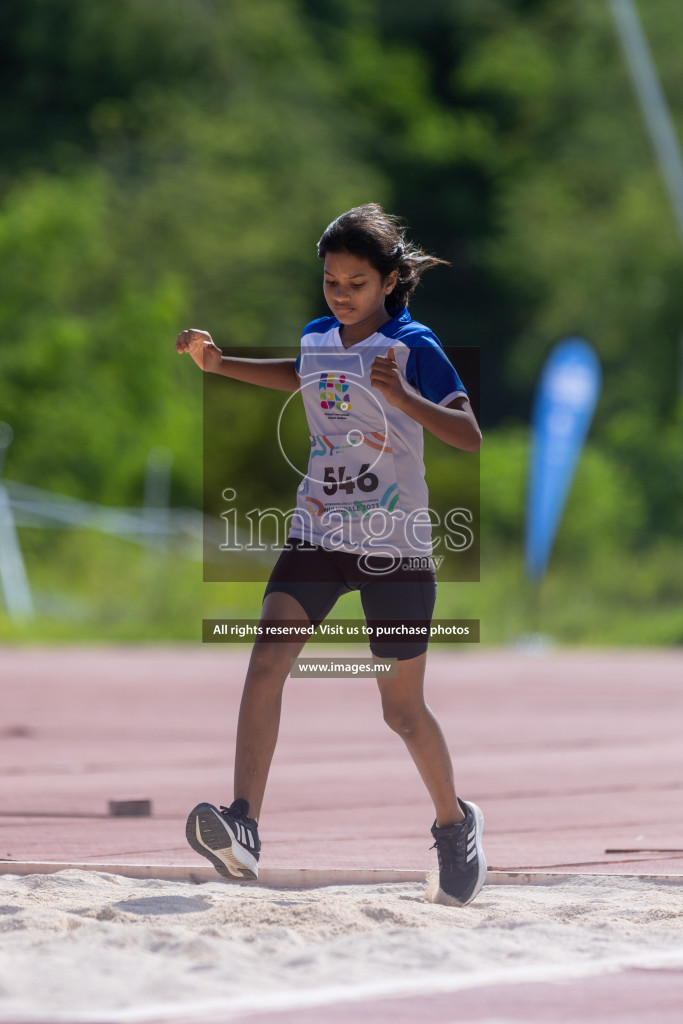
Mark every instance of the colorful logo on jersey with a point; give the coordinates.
(334, 392)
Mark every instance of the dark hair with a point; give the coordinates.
(380, 238)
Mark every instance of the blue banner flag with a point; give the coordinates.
(566, 397)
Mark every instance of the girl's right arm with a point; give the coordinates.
(279, 374)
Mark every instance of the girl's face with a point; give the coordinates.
(355, 290)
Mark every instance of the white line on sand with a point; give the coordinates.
(325, 995)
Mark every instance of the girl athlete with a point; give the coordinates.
(371, 379)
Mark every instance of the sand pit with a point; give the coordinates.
(88, 946)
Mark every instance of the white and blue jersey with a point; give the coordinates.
(365, 489)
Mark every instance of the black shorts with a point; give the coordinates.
(317, 577)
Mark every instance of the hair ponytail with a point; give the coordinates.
(380, 238)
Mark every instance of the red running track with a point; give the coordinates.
(569, 754)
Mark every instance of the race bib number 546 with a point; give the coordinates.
(351, 473)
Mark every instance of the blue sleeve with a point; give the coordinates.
(297, 364)
(430, 371)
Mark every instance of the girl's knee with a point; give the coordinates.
(404, 719)
(271, 661)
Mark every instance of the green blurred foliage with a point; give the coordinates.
(171, 163)
(604, 512)
(194, 190)
(529, 166)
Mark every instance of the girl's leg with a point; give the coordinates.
(259, 716)
(407, 714)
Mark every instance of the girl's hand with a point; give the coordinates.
(201, 347)
(385, 376)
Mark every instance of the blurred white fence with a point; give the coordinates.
(12, 570)
(148, 527)
(180, 532)
(176, 531)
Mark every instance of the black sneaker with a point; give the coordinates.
(226, 837)
(462, 865)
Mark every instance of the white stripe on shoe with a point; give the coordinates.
(235, 860)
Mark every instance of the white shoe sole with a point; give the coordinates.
(481, 876)
(209, 834)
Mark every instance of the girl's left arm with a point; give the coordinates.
(454, 423)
